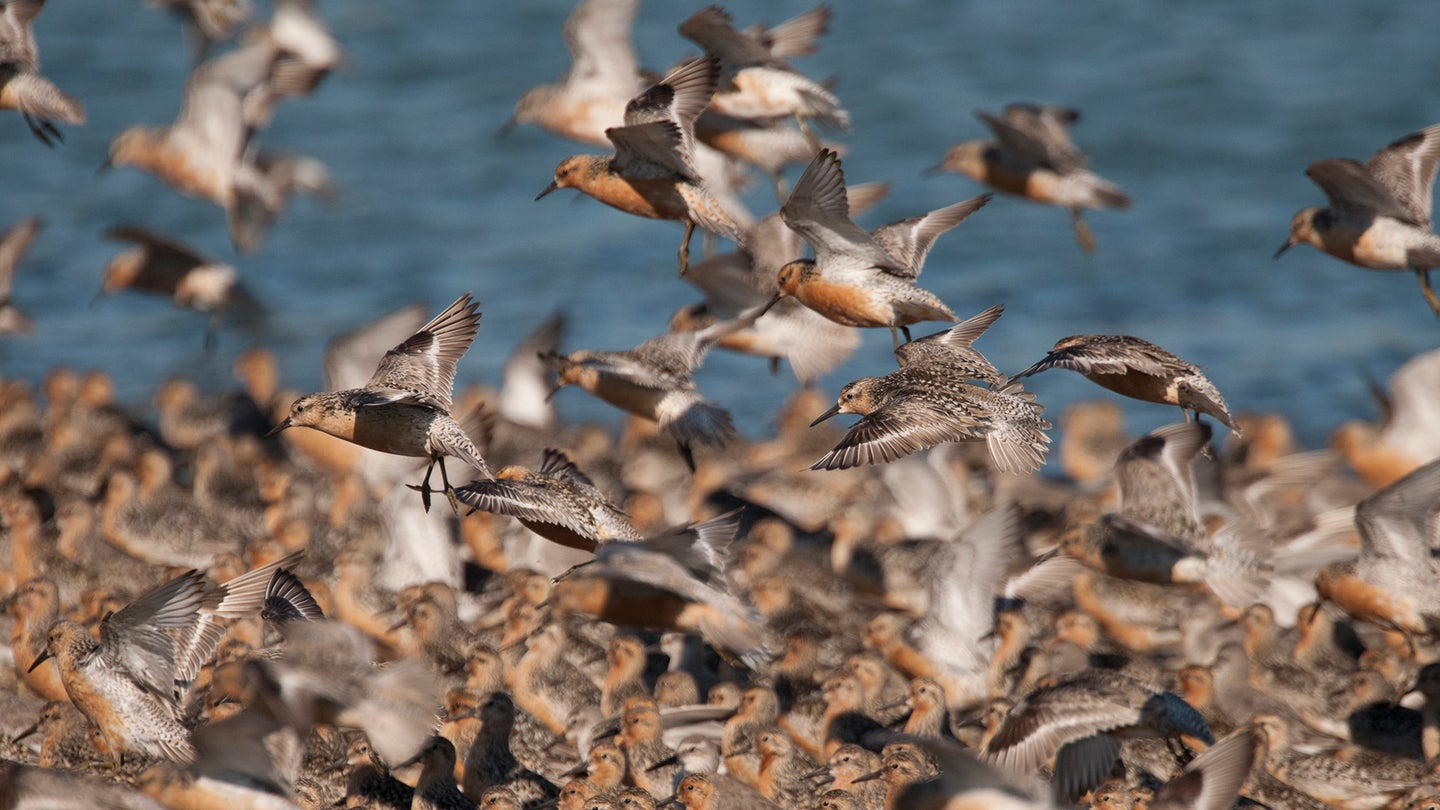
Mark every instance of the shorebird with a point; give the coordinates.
(859, 278)
(162, 266)
(22, 87)
(405, 408)
(1395, 582)
(755, 80)
(603, 76)
(652, 173)
(14, 244)
(1033, 157)
(929, 403)
(1081, 721)
(675, 581)
(1379, 213)
(654, 380)
(557, 502)
(207, 152)
(131, 683)
(1139, 369)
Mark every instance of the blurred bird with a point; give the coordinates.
(22, 88)
(1379, 213)
(1033, 157)
(14, 244)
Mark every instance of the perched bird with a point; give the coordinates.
(652, 173)
(1379, 213)
(405, 408)
(14, 244)
(928, 403)
(859, 278)
(22, 87)
(557, 502)
(603, 76)
(1137, 368)
(1033, 157)
(654, 380)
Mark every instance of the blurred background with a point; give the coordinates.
(1206, 114)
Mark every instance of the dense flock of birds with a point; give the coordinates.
(242, 602)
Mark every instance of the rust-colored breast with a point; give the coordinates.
(844, 304)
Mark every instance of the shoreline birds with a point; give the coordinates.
(405, 407)
(653, 172)
(22, 88)
(1033, 157)
(1137, 369)
(1379, 212)
(859, 278)
(927, 402)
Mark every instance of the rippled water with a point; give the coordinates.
(1206, 113)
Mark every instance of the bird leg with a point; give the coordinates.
(894, 338)
(449, 489)
(424, 487)
(685, 248)
(1424, 276)
(807, 132)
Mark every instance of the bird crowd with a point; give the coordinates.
(241, 600)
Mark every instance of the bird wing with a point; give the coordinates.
(713, 29)
(796, 36)
(1399, 521)
(556, 464)
(1106, 354)
(819, 210)
(350, 359)
(1353, 189)
(597, 34)
(421, 369)
(909, 241)
(520, 500)
(660, 122)
(954, 344)
(893, 431)
(136, 636)
(1038, 133)
(1407, 168)
(214, 111)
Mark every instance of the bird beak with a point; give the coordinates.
(26, 733)
(547, 190)
(553, 391)
(39, 659)
(673, 798)
(105, 167)
(931, 171)
(578, 770)
(278, 428)
(868, 777)
(506, 127)
(834, 409)
(825, 771)
(670, 760)
(1289, 243)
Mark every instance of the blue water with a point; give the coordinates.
(1206, 113)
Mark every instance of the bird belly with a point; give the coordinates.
(1139, 386)
(650, 197)
(845, 304)
(402, 430)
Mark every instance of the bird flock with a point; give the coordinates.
(245, 602)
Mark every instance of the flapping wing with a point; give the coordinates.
(597, 34)
(953, 345)
(137, 636)
(1352, 188)
(350, 359)
(1407, 168)
(520, 500)
(909, 241)
(422, 368)
(892, 432)
(1399, 521)
(819, 210)
(660, 122)
(796, 36)
(14, 244)
(1038, 132)
(1106, 354)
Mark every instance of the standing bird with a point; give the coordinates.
(22, 87)
(14, 244)
(558, 502)
(405, 408)
(1033, 157)
(1379, 214)
(652, 173)
(859, 278)
(1138, 369)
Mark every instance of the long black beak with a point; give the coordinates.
(868, 777)
(931, 171)
(39, 659)
(673, 759)
(278, 428)
(506, 127)
(834, 409)
(26, 733)
(105, 167)
(1289, 243)
(547, 190)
